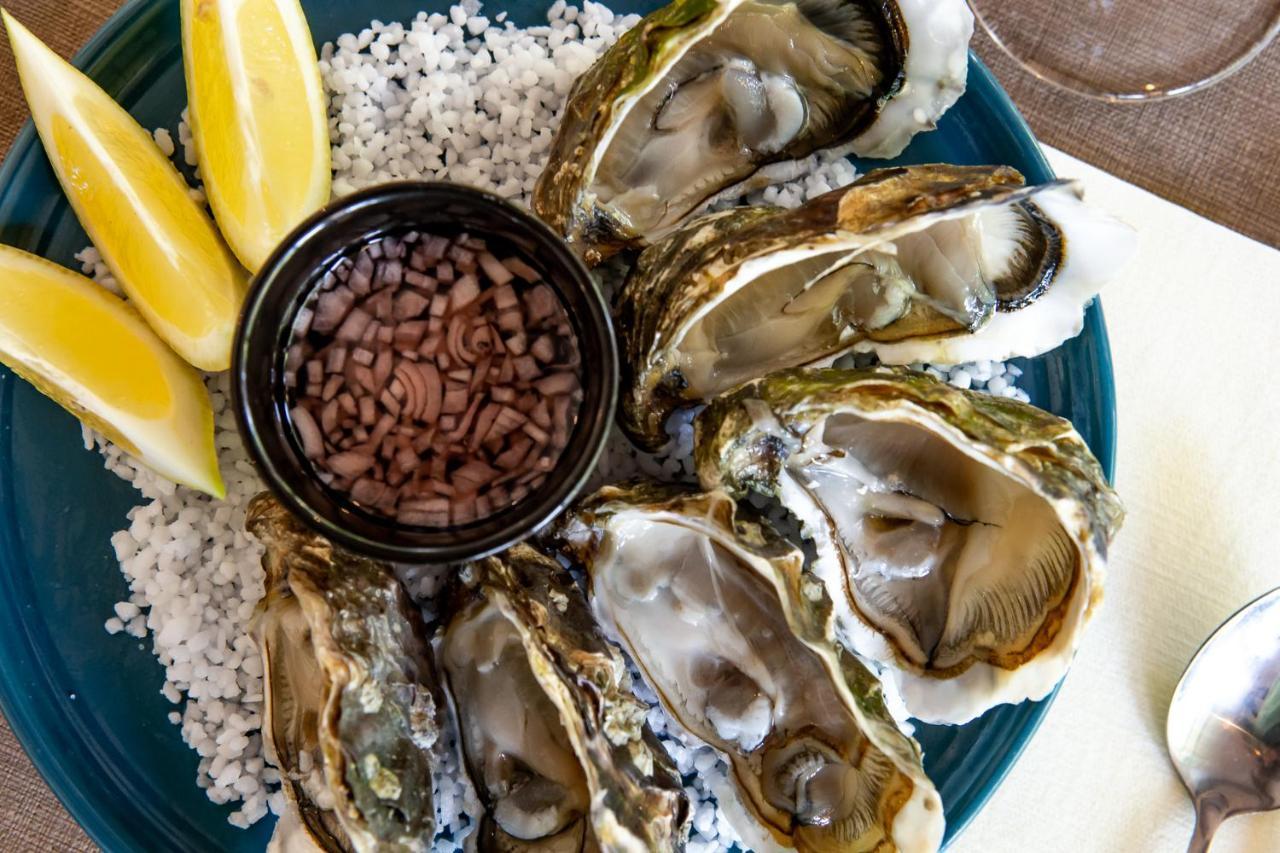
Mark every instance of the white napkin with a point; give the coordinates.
(1194, 323)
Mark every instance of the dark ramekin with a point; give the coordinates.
(283, 284)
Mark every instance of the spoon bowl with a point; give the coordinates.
(1223, 730)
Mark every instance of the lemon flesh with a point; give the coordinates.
(160, 245)
(92, 353)
(258, 118)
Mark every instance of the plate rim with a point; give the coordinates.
(101, 826)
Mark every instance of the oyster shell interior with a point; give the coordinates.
(291, 670)
(963, 537)
(956, 561)
(1046, 256)
(707, 619)
(350, 694)
(770, 76)
(932, 263)
(513, 735)
(712, 636)
(798, 307)
(554, 741)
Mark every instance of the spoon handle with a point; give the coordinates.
(1209, 816)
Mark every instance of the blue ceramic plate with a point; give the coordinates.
(87, 706)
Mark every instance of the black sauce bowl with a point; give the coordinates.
(286, 280)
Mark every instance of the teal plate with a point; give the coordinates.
(87, 706)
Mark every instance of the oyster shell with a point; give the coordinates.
(921, 263)
(555, 744)
(736, 641)
(350, 711)
(702, 94)
(963, 536)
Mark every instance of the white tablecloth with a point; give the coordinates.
(1195, 332)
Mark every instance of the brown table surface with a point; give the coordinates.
(1216, 152)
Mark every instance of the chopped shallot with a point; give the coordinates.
(432, 381)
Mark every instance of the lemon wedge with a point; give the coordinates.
(162, 247)
(257, 113)
(91, 353)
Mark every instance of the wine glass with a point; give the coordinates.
(1130, 50)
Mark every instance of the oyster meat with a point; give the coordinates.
(736, 641)
(935, 263)
(350, 704)
(701, 94)
(963, 537)
(554, 742)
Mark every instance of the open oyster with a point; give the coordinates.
(921, 263)
(702, 94)
(962, 536)
(555, 743)
(350, 713)
(736, 641)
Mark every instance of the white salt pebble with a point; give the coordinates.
(705, 819)
(126, 610)
(165, 141)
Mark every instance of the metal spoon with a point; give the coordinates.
(1224, 721)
